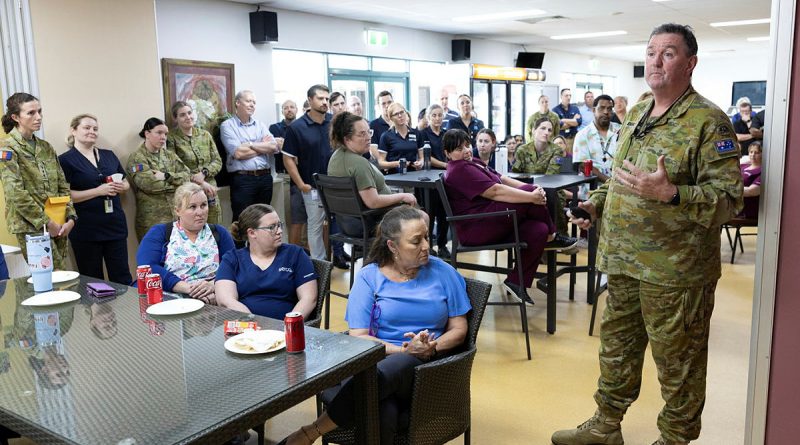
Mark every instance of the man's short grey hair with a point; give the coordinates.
(239, 95)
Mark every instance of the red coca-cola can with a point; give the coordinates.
(154, 292)
(295, 332)
(587, 167)
(141, 275)
(109, 179)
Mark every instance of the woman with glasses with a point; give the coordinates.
(400, 142)
(265, 277)
(413, 304)
(186, 253)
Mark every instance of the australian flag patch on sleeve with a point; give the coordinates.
(725, 146)
(137, 168)
(6, 155)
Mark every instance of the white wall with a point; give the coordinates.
(714, 76)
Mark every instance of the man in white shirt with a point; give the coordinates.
(598, 140)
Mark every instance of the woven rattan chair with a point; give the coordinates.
(323, 269)
(440, 401)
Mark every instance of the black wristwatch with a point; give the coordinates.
(676, 198)
(166, 176)
(72, 217)
(204, 171)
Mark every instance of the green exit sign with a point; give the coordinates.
(377, 38)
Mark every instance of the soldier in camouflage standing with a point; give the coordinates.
(675, 181)
(31, 173)
(156, 173)
(196, 148)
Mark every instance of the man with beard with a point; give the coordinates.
(598, 140)
(278, 130)
(307, 149)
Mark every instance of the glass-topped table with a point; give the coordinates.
(105, 372)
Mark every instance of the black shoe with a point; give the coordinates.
(345, 256)
(517, 292)
(340, 263)
(443, 253)
(561, 242)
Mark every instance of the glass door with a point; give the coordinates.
(353, 86)
(398, 90)
(517, 107)
(480, 101)
(499, 105)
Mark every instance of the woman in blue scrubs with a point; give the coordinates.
(400, 142)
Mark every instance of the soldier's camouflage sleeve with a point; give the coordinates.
(179, 173)
(144, 179)
(17, 194)
(522, 161)
(215, 166)
(556, 156)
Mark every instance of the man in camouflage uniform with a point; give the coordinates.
(675, 181)
(31, 173)
(156, 176)
(199, 154)
(544, 111)
(548, 162)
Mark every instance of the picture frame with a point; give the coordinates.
(207, 86)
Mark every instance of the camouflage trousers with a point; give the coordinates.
(675, 320)
(59, 246)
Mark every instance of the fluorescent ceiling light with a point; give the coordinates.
(758, 39)
(500, 16)
(589, 35)
(658, 1)
(739, 23)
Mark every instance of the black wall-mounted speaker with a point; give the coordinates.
(638, 71)
(263, 27)
(460, 50)
(530, 60)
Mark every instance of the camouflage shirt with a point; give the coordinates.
(554, 119)
(197, 152)
(662, 243)
(153, 196)
(30, 173)
(528, 160)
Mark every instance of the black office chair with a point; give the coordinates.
(738, 223)
(340, 198)
(440, 401)
(514, 249)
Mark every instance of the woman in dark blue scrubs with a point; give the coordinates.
(466, 120)
(400, 142)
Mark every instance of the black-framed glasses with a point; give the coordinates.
(272, 228)
(374, 317)
(398, 114)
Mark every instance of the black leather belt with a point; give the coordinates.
(262, 172)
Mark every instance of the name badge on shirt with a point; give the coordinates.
(108, 206)
(314, 195)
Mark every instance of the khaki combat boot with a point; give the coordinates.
(599, 430)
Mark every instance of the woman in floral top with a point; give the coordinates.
(186, 253)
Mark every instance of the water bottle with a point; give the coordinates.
(40, 261)
(426, 156)
(501, 159)
(403, 167)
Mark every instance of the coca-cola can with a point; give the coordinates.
(154, 292)
(109, 179)
(587, 167)
(141, 274)
(295, 332)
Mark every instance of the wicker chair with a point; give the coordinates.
(323, 270)
(440, 400)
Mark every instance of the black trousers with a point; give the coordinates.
(89, 256)
(437, 213)
(395, 382)
(247, 190)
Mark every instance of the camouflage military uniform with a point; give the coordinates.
(527, 160)
(30, 176)
(663, 260)
(198, 152)
(154, 198)
(554, 119)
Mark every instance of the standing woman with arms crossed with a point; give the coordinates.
(156, 173)
(31, 174)
(103, 232)
(196, 149)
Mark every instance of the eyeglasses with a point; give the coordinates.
(363, 134)
(398, 114)
(272, 228)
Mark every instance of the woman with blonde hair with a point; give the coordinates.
(400, 142)
(102, 235)
(187, 252)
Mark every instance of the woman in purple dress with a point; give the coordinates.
(751, 176)
(473, 187)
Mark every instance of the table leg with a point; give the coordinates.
(426, 198)
(366, 398)
(591, 285)
(551, 291)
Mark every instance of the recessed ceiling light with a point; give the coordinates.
(758, 39)
(740, 23)
(589, 35)
(500, 16)
(659, 1)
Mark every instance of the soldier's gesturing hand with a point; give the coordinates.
(655, 185)
(584, 224)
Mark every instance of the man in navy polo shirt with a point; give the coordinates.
(570, 118)
(278, 129)
(307, 149)
(380, 125)
(251, 149)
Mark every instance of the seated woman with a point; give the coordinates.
(486, 146)
(472, 188)
(414, 304)
(399, 142)
(751, 176)
(511, 145)
(350, 140)
(266, 277)
(186, 253)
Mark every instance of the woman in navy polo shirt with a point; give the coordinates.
(102, 233)
(266, 277)
(466, 121)
(401, 141)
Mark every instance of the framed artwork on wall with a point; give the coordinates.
(206, 86)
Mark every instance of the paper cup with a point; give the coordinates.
(117, 177)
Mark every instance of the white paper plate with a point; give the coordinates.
(269, 337)
(51, 298)
(174, 307)
(60, 276)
